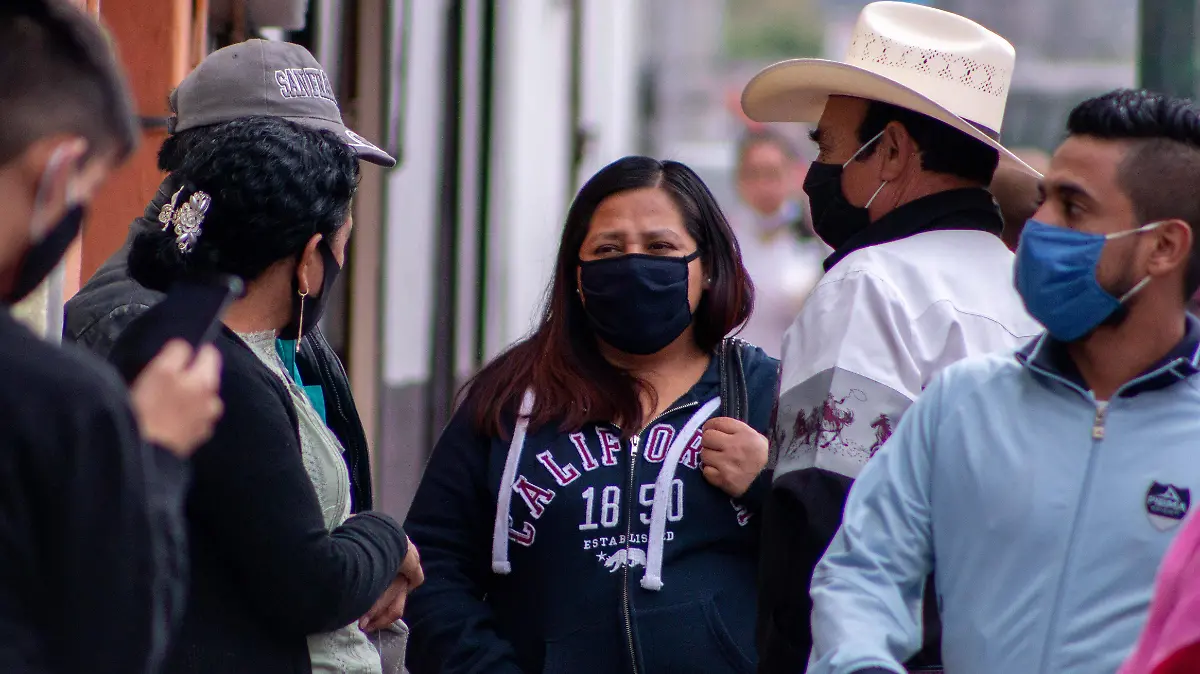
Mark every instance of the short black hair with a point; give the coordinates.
(175, 147)
(273, 185)
(944, 149)
(58, 74)
(1161, 171)
(753, 139)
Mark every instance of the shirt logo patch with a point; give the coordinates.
(1166, 505)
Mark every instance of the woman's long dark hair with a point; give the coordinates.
(561, 361)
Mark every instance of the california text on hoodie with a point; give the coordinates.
(598, 568)
(1047, 512)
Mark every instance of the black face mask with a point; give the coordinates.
(312, 307)
(42, 257)
(835, 219)
(637, 303)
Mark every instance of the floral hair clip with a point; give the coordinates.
(188, 219)
(168, 210)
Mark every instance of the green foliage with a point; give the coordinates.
(762, 30)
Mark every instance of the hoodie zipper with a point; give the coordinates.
(627, 604)
(1098, 430)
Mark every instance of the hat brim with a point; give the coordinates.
(797, 90)
(365, 149)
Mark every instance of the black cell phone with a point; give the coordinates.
(192, 311)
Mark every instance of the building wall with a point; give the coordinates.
(530, 187)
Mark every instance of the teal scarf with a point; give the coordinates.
(286, 348)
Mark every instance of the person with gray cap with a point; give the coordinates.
(260, 83)
(254, 78)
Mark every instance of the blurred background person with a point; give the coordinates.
(1018, 193)
(774, 232)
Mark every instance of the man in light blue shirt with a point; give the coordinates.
(1044, 487)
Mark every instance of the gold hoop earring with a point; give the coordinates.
(300, 323)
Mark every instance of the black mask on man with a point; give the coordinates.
(835, 219)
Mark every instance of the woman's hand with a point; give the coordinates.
(732, 454)
(390, 605)
(388, 608)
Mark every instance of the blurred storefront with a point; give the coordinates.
(498, 109)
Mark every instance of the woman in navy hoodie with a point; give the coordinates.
(592, 507)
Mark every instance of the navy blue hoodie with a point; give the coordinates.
(574, 597)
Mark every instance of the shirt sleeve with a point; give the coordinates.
(848, 374)
(255, 506)
(847, 377)
(111, 567)
(868, 588)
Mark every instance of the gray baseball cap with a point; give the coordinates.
(268, 79)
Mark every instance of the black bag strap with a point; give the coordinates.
(735, 402)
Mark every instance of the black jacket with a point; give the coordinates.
(111, 300)
(574, 600)
(265, 573)
(90, 518)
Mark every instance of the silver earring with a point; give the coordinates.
(300, 323)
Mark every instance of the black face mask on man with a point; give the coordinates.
(307, 309)
(835, 219)
(637, 303)
(49, 244)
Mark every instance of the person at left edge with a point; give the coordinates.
(92, 475)
(589, 509)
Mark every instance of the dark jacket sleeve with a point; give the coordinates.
(108, 560)
(802, 512)
(167, 486)
(254, 503)
(450, 522)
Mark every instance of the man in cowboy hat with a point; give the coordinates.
(1043, 488)
(907, 130)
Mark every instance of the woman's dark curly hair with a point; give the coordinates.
(273, 185)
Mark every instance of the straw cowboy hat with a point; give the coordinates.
(920, 58)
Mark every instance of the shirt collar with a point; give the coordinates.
(1050, 356)
(970, 208)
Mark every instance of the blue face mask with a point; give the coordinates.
(1056, 277)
